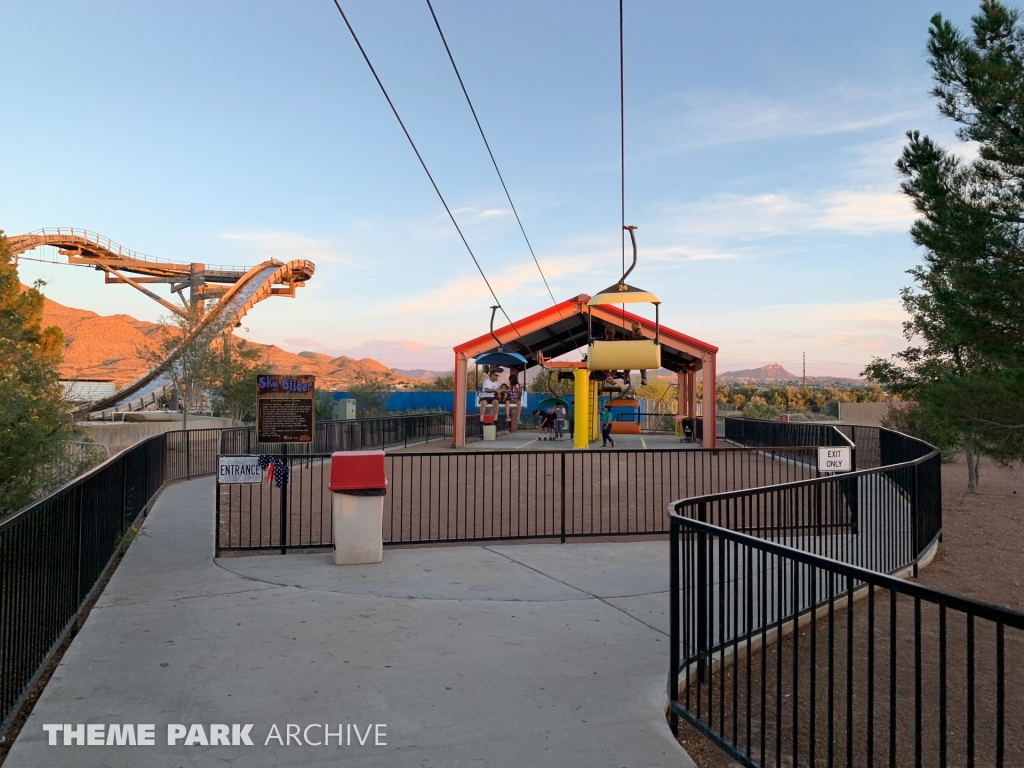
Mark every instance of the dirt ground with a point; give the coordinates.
(981, 557)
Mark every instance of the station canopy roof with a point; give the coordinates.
(562, 328)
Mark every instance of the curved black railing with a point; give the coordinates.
(794, 642)
(56, 552)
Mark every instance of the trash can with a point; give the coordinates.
(490, 429)
(357, 488)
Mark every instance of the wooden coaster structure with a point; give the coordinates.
(235, 289)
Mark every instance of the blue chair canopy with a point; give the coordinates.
(511, 359)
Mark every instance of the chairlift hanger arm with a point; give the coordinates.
(632, 238)
(494, 310)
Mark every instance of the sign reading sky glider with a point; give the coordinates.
(284, 408)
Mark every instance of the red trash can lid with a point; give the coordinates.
(357, 471)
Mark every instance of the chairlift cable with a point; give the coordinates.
(494, 162)
(426, 170)
(622, 142)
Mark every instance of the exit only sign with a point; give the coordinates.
(835, 459)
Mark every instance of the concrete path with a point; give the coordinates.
(518, 656)
(530, 441)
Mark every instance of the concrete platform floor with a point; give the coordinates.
(530, 441)
(518, 656)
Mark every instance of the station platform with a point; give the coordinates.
(530, 441)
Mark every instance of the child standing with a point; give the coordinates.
(606, 427)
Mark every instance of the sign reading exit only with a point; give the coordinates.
(835, 459)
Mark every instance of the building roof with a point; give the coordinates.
(563, 328)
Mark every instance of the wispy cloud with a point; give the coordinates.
(303, 343)
(695, 118)
(839, 337)
(734, 217)
(285, 245)
(680, 253)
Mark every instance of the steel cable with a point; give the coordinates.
(494, 162)
(423, 163)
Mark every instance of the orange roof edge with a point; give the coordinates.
(575, 306)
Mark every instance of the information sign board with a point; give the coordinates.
(239, 469)
(284, 408)
(835, 459)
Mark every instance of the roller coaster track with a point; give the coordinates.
(248, 286)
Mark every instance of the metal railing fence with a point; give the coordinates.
(756, 433)
(494, 495)
(793, 644)
(791, 658)
(650, 423)
(54, 552)
(352, 435)
(116, 249)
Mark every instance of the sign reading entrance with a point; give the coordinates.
(239, 469)
(284, 408)
(835, 459)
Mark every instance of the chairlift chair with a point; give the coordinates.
(628, 354)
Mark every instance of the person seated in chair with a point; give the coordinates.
(637, 335)
(488, 393)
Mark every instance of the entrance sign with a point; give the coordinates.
(284, 408)
(239, 469)
(835, 459)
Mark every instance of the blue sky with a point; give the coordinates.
(760, 141)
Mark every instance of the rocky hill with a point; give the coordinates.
(770, 372)
(104, 347)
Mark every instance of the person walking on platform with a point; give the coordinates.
(559, 421)
(606, 427)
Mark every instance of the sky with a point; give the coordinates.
(760, 148)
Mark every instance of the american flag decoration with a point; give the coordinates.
(274, 470)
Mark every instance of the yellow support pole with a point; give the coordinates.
(595, 410)
(581, 425)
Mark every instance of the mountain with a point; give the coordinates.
(770, 372)
(420, 373)
(103, 347)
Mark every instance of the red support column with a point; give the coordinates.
(708, 402)
(681, 394)
(459, 425)
(691, 391)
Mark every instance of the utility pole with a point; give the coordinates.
(805, 370)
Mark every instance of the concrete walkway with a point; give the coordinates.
(518, 656)
(529, 440)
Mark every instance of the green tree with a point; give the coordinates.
(965, 367)
(234, 391)
(546, 382)
(189, 353)
(35, 422)
(371, 391)
(323, 406)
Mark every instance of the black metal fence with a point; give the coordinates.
(354, 434)
(650, 423)
(54, 552)
(792, 643)
(757, 433)
(494, 495)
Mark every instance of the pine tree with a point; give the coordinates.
(965, 367)
(35, 423)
